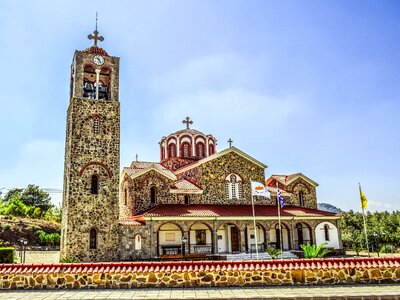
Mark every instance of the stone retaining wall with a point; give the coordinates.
(200, 274)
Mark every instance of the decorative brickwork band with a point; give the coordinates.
(204, 273)
(93, 163)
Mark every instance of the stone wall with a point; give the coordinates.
(214, 173)
(200, 274)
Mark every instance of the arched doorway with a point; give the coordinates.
(275, 237)
(302, 235)
(251, 238)
(228, 238)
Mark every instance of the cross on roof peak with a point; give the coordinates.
(230, 142)
(188, 122)
(96, 36)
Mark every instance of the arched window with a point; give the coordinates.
(93, 239)
(126, 196)
(187, 199)
(153, 195)
(233, 186)
(326, 232)
(94, 185)
(301, 198)
(172, 150)
(200, 150)
(138, 242)
(96, 125)
(211, 149)
(185, 150)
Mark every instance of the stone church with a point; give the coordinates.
(195, 199)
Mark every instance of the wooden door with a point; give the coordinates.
(234, 239)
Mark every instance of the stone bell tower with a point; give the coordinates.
(89, 230)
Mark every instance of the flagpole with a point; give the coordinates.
(279, 219)
(365, 224)
(255, 228)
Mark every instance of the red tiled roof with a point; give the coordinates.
(187, 186)
(130, 223)
(196, 266)
(96, 50)
(138, 166)
(211, 210)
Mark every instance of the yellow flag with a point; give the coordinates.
(363, 200)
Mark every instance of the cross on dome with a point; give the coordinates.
(96, 36)
(188, 122)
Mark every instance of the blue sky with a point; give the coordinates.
(303, 86)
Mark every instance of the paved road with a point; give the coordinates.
(370, 292)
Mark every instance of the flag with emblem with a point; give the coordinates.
(258, 189)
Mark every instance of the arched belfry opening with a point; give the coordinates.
(96, 82)
(89, 81)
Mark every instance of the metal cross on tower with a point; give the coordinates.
(96, 36)
(188, 122)
(230, 142)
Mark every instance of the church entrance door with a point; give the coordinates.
(234, 239)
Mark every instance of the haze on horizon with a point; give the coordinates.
(302, 86)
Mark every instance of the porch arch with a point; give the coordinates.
(200, 238)
(302, 234)
(274, 235)
(169, 236)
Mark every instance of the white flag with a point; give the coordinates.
(258, 189)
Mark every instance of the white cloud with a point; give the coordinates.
(233, 109)
(216, 71)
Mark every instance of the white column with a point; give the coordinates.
(97, 83)
(193, 147)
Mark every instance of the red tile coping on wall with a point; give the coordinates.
(193, 266)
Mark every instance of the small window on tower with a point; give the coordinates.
(210, 149)
(185, 152)
(200, 148)
(96, 125)
(94, 187)
(93, 239)
(172, 150)
(126, 196)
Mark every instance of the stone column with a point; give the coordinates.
(291, 235)
(242, 240)
(313, 235)
(214, 239)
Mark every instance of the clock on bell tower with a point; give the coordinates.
(89, 230)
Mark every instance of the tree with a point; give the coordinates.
(34, 196)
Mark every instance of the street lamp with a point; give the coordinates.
(184, 241)
(22, 252)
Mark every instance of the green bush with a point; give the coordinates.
(314, 251)
(49, 238)
(7, 255)
(7, 226)
(388, 248)
(69, 260)
(273, 252)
